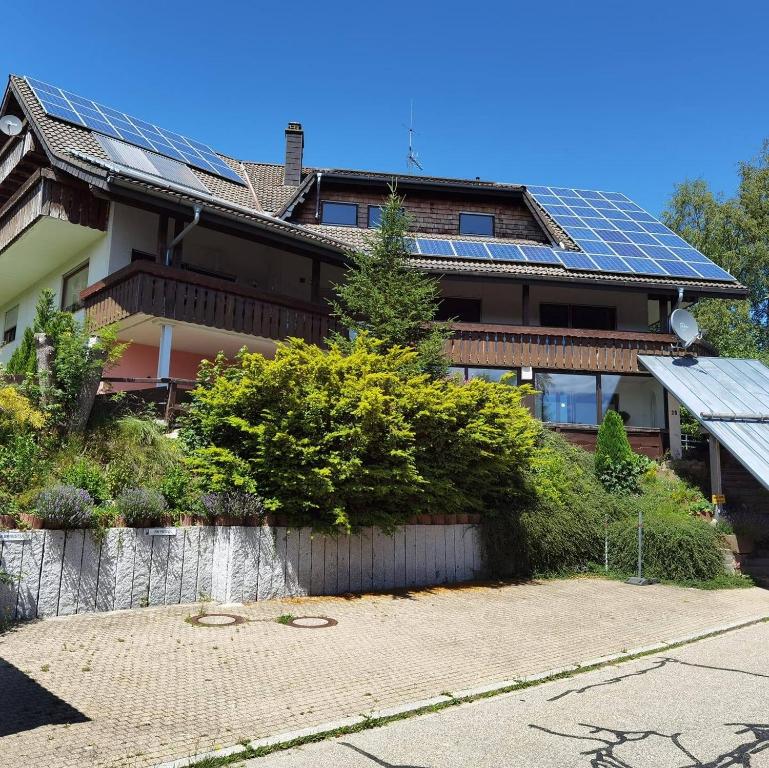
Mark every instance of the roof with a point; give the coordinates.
(728, 397)
(266, 201)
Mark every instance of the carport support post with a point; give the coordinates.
(715, 472)
(164, 352)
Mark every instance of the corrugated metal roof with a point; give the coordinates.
(730, 399)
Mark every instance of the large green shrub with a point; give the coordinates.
(345, 438)
(676, 546)
(559, 526)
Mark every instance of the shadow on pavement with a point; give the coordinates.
(378, 760)
(25, 704)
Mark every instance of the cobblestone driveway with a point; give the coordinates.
(142, 687)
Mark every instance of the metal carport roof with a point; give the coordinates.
(729, 398)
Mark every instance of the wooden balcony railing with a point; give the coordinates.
(509, 346)
(176, 294)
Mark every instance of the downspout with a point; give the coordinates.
(166, 329)
(170, 249)
(317, 198)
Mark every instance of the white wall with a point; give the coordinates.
(97, 256)
(57, 573)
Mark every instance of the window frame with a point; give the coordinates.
(323, 204)
(480, 214)
(77, 305)
(461, 298)
(570, 310)
(6, 330)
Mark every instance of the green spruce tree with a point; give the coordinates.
(386, 297)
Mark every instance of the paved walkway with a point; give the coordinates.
(138, 688)
(617, 716)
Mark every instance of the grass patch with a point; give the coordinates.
(367, 723)
(285, 618)
(722, 581)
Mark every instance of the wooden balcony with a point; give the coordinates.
(176, 294)
(569, 349)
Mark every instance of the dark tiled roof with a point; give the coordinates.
(70, 143)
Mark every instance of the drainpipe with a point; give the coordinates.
(166, 330)
(317, 197)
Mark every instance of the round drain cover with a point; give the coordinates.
(216, 619)
(312, 622)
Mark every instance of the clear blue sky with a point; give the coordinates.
(598, 94)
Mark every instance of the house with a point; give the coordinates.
(191, 252)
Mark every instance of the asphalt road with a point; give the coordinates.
(705, 704)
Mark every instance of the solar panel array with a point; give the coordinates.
(617, 235)
(614, 235)
(84, 112)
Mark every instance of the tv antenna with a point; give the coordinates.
(412, 160)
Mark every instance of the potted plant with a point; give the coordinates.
(142, 507)
(65, 507)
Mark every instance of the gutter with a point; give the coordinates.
(170, 249)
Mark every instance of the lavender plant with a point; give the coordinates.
(237, 504)
(66, 506)
(138, 504)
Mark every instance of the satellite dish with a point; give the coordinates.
(10, 125)
(684, 326)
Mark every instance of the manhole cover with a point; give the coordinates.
(215, 619)
(312, 622)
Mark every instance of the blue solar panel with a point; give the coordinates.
(110, 122)
(572, 260)
(631, 239)
(712, 272)
(627, 249)
(540, 254)
(677, 268)
(468, 249)
(435, 247)
(505, 252)
(645, 266)
(611, 264)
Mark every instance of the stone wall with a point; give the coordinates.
(57, 573)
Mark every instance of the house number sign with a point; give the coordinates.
(15, 536)
(161, 531)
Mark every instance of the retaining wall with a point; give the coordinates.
(56, 573)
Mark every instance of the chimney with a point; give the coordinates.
(292, 171)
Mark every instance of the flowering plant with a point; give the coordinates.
(66, 505)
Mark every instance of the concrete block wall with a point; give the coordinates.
(58, 573)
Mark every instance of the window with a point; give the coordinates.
(575, 316)
(490, 374)
(9, 326)
(554, 315)
(638, 399)
(461, 310)
(476, 224)
(566, 398)
(374, 216)
(341, 214)
(74, 282)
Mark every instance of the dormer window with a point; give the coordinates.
(476, 224)
(339, 214)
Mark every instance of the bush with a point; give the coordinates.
(611, 444)
(22, 462)
(88, 475)
(232, 504)
(676, 547)
(138, 505)
(65, 506)
(559, 527)
(17, 414)
(181, 491)
(342, 440)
